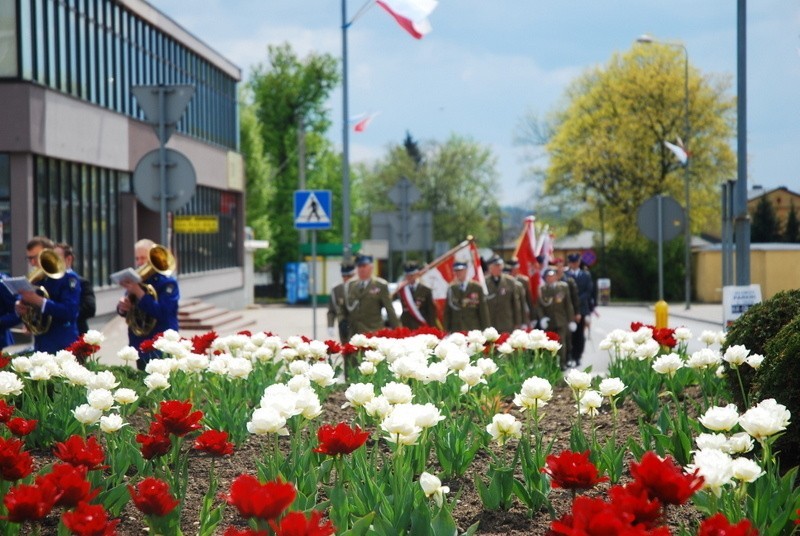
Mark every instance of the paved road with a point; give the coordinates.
(697, 319)
(284, 321)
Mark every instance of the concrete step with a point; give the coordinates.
(202, 315)
(193, 308)
(213, 322)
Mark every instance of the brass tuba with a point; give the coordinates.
(160, 260)
(50, 265)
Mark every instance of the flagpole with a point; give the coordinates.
(438, 260)
(347, 247)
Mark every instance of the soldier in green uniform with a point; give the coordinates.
(502, 298)
(465, 306)
(365, 296)
(527, 297)
(558, 264)
(337, 311)
(417, 299)
(554, 311)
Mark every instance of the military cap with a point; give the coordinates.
(550, 271)
(513, 263)
(459, 266)
(411, 267)
(573, 257)
(495, 259)
(362, 260)
(347, 268)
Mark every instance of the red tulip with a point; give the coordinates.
(201, 343)
(214, 442)
(233, 531)
(177, 417)
(572, 470)
(21, 427)
(155, 443)
(339, 439)
(665, 337)
(71, 482)
(297, 524)
(14, 462)
(595, 516)
(634, 498)
(6, 411)
(30, 503)
(264, 501)
(89, 520)
(152, 497)
(664, 480)
(718, 525)
(79, 451)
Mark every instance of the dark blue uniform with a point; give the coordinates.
(8, 316)
(63, 301)
(164, 310)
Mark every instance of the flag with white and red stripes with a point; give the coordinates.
(411, 15)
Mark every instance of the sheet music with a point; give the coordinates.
(128, 274)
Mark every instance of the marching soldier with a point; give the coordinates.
(502, 298)
(558, 264)
(417, 299)
(364, 299)
(586, 304)
(554, 311)
(337, 311)
(527, 297)
(465, 307)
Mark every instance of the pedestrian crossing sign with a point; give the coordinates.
(312, 209)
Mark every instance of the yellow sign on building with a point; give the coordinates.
(196, 224)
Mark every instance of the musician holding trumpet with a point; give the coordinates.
(50, 312)
(150, 306)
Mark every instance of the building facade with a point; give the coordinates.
(72, 133)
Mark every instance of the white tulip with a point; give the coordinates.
(124, 396)
(267, 421)
(358, 394)
(715, 467)
(766, 419)
(590, 403)
(610, 387)
(156, 382)
(93, 337)
(578, 380)
(86, 414)
(503, 427)
(128, 354)
(720, 418)
(736, 355)
(101, 399)
(746, 470)
(111, 423)
(739, 443)
(668, 364)
(397, 393)
(432, 487)
(10, 384)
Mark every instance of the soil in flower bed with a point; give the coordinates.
(556, 423)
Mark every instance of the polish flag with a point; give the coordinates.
(412, 15)
(678, 150)
(362, 124)
(526, 253)
(439, 274)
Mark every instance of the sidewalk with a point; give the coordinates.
(288, 320)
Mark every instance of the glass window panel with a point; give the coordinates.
(64, 231)
(26, 39)
(62, 49)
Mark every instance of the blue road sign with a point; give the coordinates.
(312, 209)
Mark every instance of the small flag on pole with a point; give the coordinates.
(411, 15)
(678, 150)
(362, 124)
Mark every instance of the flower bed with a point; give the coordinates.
(477, 432)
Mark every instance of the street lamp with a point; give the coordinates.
(647, 39)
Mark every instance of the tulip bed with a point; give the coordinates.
(473, 433)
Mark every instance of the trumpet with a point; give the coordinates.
(160, 260)
(52, 266)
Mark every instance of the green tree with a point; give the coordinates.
(290, 96)
(607, 143)
(791, 232)
(457, 180)
(258, 174)
(765, 226)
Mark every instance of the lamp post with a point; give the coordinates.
(647, 39)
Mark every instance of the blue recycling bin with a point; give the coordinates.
(296, 282)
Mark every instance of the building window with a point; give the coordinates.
(77, 204)
(5, 213)
(202, 252)
(96, 50)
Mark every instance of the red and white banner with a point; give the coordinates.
(526, 253)
(439, 274)
(362, 123)
(411, 15)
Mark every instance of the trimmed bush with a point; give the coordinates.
(754, 329)
(778, 378)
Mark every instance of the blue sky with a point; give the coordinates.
(489, 62)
